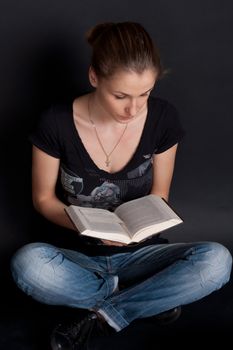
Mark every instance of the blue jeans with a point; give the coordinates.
(126, 286)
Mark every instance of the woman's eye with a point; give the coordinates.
(119, 97)
(122, 97)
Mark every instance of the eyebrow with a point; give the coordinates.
(123, 93)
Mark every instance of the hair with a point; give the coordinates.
(124, 45)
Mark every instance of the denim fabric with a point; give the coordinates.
(126, 286)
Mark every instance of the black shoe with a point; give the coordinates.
(77, 335)
(169, 316)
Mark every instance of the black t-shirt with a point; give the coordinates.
(82, 183)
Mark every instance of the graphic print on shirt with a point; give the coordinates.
(106, 193)
(140, 170)
(104, 196)
(71, 182)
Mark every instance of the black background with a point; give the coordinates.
(44, 59)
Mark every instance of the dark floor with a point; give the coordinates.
(26, 325)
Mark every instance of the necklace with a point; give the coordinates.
(107, 155)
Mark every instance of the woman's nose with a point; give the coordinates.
(132, 109)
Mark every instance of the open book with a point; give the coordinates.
(132, 221)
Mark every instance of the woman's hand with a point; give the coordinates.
(112, 243)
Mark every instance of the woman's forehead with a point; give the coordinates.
(126, 81)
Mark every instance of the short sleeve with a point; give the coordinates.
(45, 136)
(170, 130)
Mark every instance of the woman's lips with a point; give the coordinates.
(126, 117)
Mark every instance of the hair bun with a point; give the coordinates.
(95, 32)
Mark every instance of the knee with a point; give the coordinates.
(28, 260)
(217, 262)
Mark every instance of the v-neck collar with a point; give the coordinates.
(92, 165)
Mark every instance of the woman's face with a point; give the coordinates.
(124, 95)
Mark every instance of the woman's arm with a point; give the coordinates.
(44, 177)
(163, 167)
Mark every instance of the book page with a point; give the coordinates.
(145, 212)
(96, 220)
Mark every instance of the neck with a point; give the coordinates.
(106, 153)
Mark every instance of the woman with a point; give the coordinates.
(112, 145)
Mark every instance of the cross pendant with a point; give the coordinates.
(107, 162)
